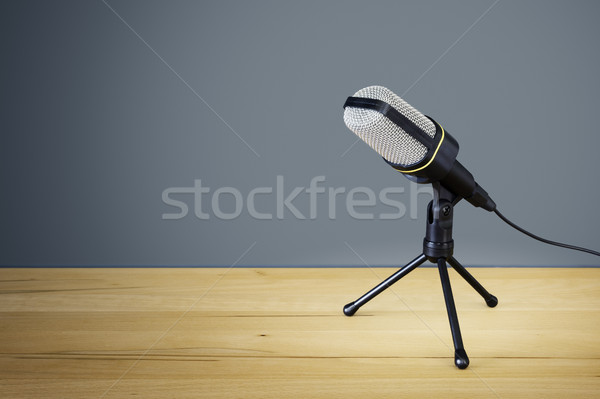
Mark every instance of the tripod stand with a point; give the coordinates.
(438, 247)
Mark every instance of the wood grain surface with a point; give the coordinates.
(280, 333)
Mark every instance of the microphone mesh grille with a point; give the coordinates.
(384, 136)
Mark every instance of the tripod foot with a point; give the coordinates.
(492, 301)
(461, 359)
(350, 309)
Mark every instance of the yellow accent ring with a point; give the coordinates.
(432, 158)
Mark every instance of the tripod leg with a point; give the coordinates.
(491, 300)
(460, 356)
(352, 307)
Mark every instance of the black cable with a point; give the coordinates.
(558, 244)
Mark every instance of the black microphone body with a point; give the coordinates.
(460, 181)
(452, 175)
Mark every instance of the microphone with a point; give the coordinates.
(412, 143)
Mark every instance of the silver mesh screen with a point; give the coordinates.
(384, 136)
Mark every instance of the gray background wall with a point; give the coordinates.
(100, 113)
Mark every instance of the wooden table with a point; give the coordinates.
(280, 333)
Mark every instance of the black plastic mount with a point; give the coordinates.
(438, 242)
(438, 247)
